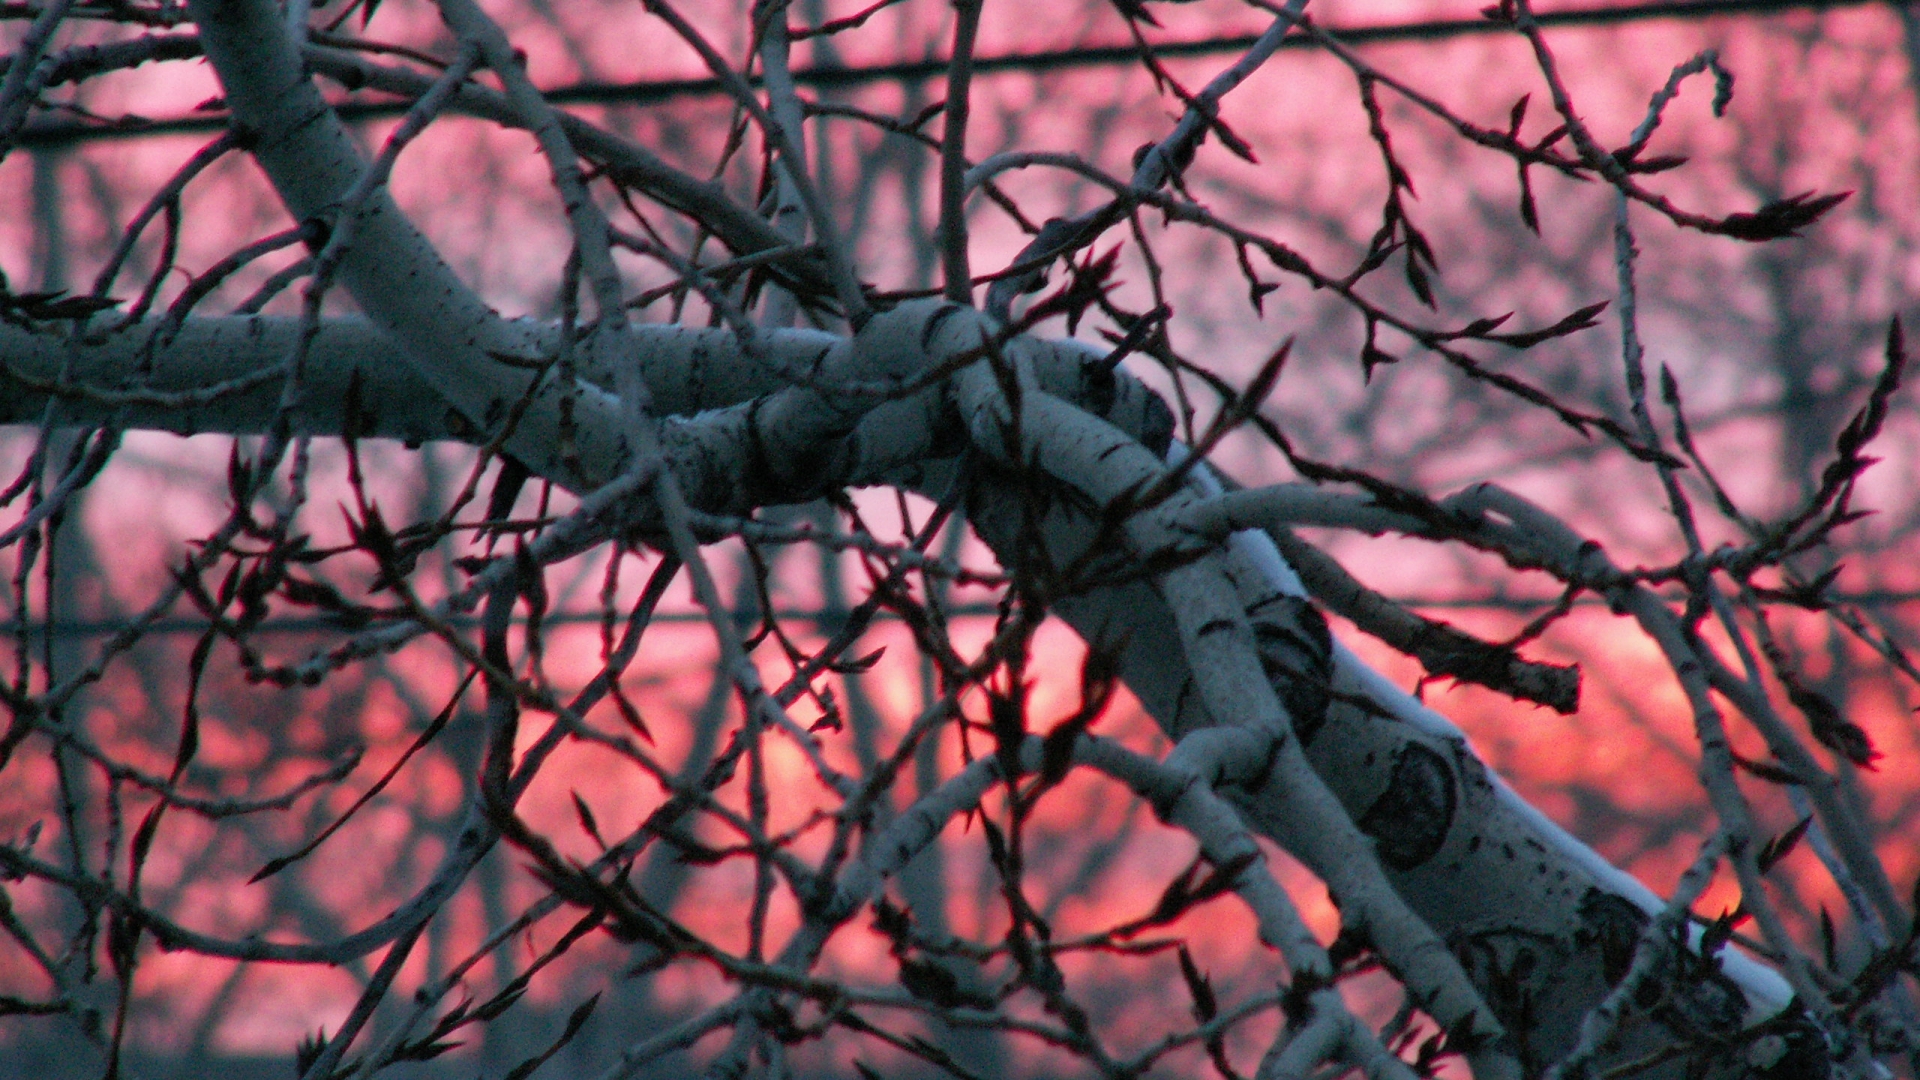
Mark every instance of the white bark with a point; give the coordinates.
(1503, 888)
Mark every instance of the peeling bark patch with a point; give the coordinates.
(1410, 820)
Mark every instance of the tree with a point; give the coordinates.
(649, 441)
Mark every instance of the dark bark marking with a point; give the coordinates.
(1098, 386)
(1156, 429)
(932, 326)
(1296, 652)
(1411, 818)
(1613, 924)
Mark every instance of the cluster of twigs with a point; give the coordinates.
(474, 573)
